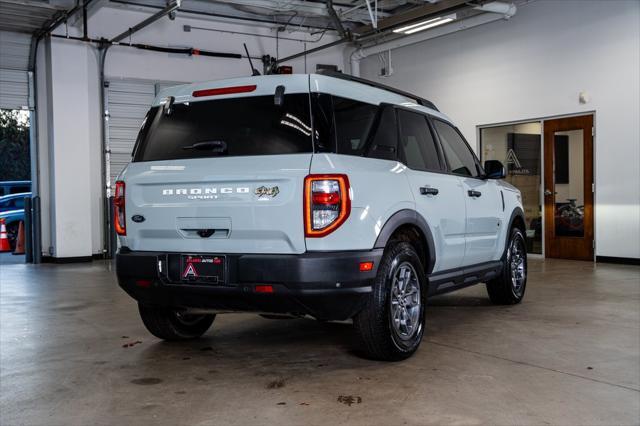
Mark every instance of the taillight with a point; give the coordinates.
(327, 203)
(118, 205)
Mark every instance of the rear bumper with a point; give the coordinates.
(326, 285)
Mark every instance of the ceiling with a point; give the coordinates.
(308, 14)
(355, 16)
(360, 21)
(28, 16)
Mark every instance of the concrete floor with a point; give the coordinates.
(568, 355)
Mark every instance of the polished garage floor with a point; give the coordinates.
(74, 352)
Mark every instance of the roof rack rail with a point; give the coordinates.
(342, 76)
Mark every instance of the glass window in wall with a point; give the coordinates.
(569, 183)
(519, 148)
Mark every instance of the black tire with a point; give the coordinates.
(375, 325)
(169, 324)
(508, 289)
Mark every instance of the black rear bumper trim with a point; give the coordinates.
(326, 285)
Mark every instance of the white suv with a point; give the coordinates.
(317, 195)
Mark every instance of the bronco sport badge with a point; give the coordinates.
(263, 191)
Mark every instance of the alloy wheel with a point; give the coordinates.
(406, 302)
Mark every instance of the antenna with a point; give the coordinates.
(253, 70)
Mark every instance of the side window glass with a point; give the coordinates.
(416, 142)
(353, 120)
(384, 144)
(460, 158)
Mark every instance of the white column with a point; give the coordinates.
(69, 150)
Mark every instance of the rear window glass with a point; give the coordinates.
(226, 127)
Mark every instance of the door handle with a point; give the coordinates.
(474, 193)
(427, 190)
(547, 192)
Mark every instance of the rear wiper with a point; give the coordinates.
(215, 146)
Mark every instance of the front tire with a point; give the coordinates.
(170, 324)
(509, 287)
(391, 325)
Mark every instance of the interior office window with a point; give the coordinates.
(353, 119)
(418, 147)
(518, 147)
(384, 144)
(460, 157)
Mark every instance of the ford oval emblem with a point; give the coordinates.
(137, 218)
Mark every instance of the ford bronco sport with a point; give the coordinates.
(310, 195)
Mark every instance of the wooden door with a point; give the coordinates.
(568, 188)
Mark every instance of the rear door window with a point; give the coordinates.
(418, 147)
(227, 127)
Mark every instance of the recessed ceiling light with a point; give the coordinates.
(423, 25)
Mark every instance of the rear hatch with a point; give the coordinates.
(223, 174)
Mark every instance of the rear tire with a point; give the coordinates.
(169, 324)
(391, 324)
(509, 287)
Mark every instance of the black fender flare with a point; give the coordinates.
(516, 213)
(408, 217)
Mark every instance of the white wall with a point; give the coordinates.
(70, 111)
(534, 65)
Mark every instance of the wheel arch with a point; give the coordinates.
(517, 220)
(409, 219)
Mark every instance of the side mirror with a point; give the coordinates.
(493, 169)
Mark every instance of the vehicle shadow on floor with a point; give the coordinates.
(265, 347)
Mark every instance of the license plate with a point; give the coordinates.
(202, 269)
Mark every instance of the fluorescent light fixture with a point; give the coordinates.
(423, 25)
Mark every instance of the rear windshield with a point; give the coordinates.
(227, 127)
